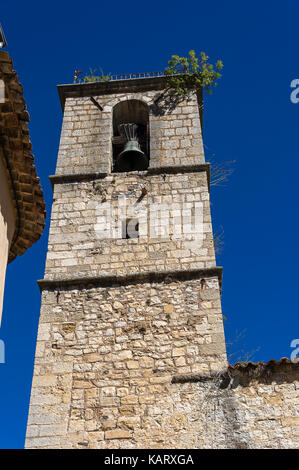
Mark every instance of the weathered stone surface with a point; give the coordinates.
(133, 373)
(117, 434)
(138, 360)
(78, 247)
(85, 144)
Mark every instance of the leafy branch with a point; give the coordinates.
(186, 73)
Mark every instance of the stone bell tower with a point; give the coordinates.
(131, 292)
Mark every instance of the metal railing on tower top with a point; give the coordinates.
(129, 76)
(120, 76)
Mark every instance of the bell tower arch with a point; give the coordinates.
(130, 134)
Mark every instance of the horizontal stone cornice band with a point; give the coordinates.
(70, 178)
(129, 279)
(136, 85)
(75, 90)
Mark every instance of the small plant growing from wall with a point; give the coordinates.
(98, 189)
(186, 73)
(91, 77)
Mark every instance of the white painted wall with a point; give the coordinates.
(7, 227)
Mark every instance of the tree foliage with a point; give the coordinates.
(186, 73)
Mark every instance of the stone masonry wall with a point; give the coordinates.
(85, 144)
(130, 349)
(105, 360)
(78, 247)
(108, 346)
(144, 366)
(267, 412)
(254, 406)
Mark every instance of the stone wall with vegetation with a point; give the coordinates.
(131, 349)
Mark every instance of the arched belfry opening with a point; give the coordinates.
(130, 141)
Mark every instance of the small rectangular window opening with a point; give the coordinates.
(130, 228)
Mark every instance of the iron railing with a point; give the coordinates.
(122, 76)
(129, 76)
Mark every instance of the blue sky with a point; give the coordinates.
(249, 118)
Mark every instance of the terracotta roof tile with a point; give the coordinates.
(15, 151)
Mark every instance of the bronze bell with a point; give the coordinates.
(132, 158)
